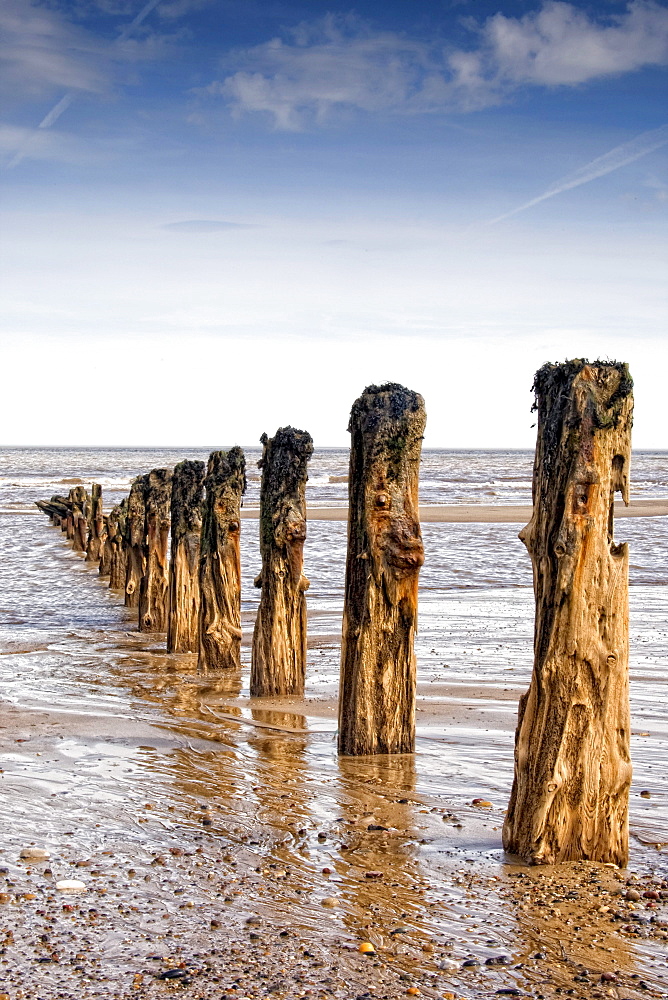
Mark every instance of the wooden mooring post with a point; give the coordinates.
(278, 659)
(385, 553)
(135, 529)
(220, 563)
(572, 760)
(95, 537)
(80, 514)
(116, 530)
(154, 584)
(187, 498)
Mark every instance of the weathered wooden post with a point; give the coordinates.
(220, 565)
(70, 519)
(187, 496)
(66, 521)
(154, 585)
(95, 525)
(116, 526)
(572, 763)
(104, 568)
(56, 509)
(385, 553)
(80, 505)
(278, 658)
(135, 526)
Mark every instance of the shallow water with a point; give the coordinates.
(446, 477)
(139, 727)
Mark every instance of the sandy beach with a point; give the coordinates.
(225, 850)
(223, 846)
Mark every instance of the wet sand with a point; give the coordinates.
(236, 860)
(227, 851)
(479, 513)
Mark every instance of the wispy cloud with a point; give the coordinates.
(46, 48)
(336, 65)
(205, 226)
(620, 156)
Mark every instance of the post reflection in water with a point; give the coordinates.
(280, 779)
(378, 865)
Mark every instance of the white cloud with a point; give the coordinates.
(560, 45)
(335, 64)
(41, 51)
(44, 52)
(338, 65)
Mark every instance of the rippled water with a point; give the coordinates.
(446, 477)
(69, 646)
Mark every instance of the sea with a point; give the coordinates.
(70, 647)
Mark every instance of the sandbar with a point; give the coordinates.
(479, 513)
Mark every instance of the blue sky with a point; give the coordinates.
(219, 217)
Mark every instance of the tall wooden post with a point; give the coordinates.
(187, 496)
(220, 563)
(116, 527)
(135, 527)
(104, 568)
(154, 586)
(66, 521)
(95, 524)
(278, 659)
(572, 762)
(80, 507)
(385, 553)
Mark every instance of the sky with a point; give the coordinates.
(223, 216)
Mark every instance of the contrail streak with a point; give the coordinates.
(63, 104)
(144, 12)
(620, 156)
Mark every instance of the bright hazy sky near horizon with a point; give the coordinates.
(221, 216)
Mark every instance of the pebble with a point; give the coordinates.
(366, 948)
(633, 895)
(71, 885)
(373, 875)
(448, 965)
(34, 854)
(645, 794)
(482, 803)
(331, 902)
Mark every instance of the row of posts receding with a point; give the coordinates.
(572, 764)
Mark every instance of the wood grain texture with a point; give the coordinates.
(572, 760)
(184, 597)
(278, 658)
(135, 528)
(385, 553)
(154, 584)
(220, 563)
